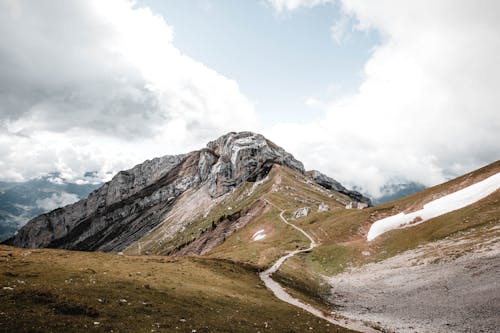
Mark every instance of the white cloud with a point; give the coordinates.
(428, 105)
(57, 200)
(291, 5)
(340, 29)
(99, 85)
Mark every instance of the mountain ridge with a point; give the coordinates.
(136, 200)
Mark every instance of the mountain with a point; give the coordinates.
(138, 200)
(239, 237)
(394, 191)
(21, 201)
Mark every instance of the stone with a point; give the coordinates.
(356, 205)
(333, 185)
(302, 212)
(323, 207)
(135, 200)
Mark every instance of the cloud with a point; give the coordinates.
(93, 85)
(56, 200)
(428, 106)
(291, 5)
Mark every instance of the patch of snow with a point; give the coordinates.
(443, 205)
(259, 235)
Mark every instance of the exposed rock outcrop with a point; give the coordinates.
(302, 212)
(331, 184)
(136, 200)
(245, 156)
(221, 230)
(323, 207)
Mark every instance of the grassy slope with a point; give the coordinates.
(343, 232)
(237, 200)
(214, 294)
(56, 291)
(291, 192)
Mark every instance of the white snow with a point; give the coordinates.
(443, 205)
(259, 235)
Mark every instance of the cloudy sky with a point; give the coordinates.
(370, 92)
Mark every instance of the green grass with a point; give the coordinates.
(64, 291)
(239, 246)
(221, 292)
(342, 250)
(303, 283)
(331, 259)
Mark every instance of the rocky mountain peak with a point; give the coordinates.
(245, 156)
(137, 200)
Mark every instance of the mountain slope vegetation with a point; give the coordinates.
(193, 231)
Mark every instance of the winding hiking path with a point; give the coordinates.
(280, 292)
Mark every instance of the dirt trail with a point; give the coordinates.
(280, 292)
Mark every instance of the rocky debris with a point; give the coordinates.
(356, 205)
(323, 207)
(333, 185)
(460, 293)
(302, 212)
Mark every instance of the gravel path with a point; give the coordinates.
(280, 292)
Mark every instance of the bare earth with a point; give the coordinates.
(439, 287)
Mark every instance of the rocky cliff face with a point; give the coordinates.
(332, 184)
(137, 200)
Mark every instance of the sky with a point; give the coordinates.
(370, 92)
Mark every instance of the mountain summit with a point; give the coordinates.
(138, 200)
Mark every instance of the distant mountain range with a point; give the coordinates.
(21, 201)
(395, 191)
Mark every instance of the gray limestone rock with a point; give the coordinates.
(136, 200)
(245, 156)
(323, 207)
(331, 184)
(302, 212)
